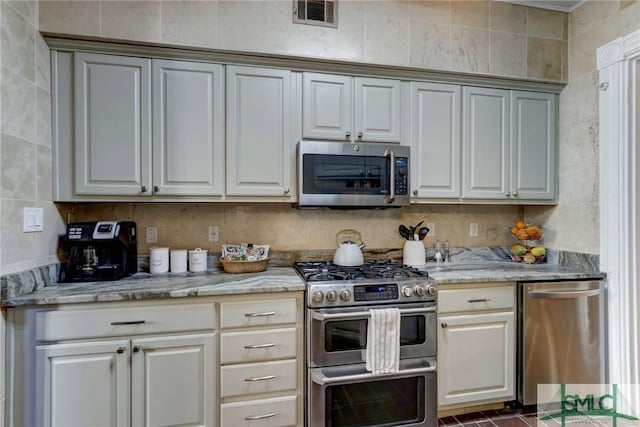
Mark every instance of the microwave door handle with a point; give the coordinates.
(333, 316)
(392, 179)
(322, 379)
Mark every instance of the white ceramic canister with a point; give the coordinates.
(178, 260)
(197, 260)
(413, 253)
(158, 259)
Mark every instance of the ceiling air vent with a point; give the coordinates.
(316, 12)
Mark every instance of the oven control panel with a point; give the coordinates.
(375, 292)
(339, 294)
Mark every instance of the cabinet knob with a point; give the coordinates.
(515, 194)
(156, 189)
(347, 135)
(287, 190)
(144, 189)
(444, 325)
(359, 135)
(136, 348)
(508, 194)
(120, 350)
(415, 192)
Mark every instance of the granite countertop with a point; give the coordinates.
(275, 279)
(143, 286)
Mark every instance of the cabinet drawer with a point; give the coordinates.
(257, 313)
(476, 299)
(134, 320)
(274, 412)
(257, 345)
(240, 380)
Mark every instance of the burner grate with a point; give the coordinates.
(325, 271)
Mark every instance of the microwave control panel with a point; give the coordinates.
(402, 176)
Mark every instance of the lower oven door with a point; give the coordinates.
(349, 396)
(338, 336)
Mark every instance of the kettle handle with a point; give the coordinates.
(352, 232)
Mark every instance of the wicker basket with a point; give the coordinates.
(244, 266)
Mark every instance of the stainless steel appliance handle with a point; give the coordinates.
(332, 316)
(322, 379)
(564, 294)
(392, 179)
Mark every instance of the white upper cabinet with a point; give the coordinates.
(260, 147)
(351, 109)
(188, 128)
(112, 125)
(533, 145)
(485, 136)
(509, 145)
(435, 140)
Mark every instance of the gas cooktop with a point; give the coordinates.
(328, 271)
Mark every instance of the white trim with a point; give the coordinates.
(618, 62)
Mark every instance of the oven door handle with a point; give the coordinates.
(316, 315)
(322, 379)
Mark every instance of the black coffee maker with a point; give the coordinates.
(101, 250)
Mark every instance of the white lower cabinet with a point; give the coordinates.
(476, 345)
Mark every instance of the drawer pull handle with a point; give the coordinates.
(480, 300)
(260, 417)
(129, 322)
(263, 314)
(265, 378)
(120, 350)
(260, 345)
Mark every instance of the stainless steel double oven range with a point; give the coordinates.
(340, 391)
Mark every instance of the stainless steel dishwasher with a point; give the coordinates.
(561, 335)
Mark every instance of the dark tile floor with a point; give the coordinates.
(523, 417)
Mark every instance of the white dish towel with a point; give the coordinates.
(383, 341)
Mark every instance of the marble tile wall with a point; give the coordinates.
(25, 140)
(574, 222)
(479, 36)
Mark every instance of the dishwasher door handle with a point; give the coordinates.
(564, 294)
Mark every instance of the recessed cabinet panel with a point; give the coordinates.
(435, 140)
(327, 106)
(534, 148)
(188, 128)
(259, 145)
(377, 110)
(83, 384)
(486, 143)
(112, 124)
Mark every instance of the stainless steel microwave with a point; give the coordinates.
(346, 175)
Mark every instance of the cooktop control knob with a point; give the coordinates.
(407, 291)
(420, 291)
(332, 296)
(431, 290)
(345, 295)
(317, 296)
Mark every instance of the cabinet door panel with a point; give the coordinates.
(327, 106)
(259, 145)
(534, 148)
(377, 110)
(476, 355)
(188, 128)
(486, 143)
(112, 124)
(435, 140)
(173, 381)
(83, 384)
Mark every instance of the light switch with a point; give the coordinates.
(33, 220)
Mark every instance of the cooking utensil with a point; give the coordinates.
(404, 232)
(349, 252)
(422, 233)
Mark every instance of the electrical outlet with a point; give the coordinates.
(473, 229)
(152, 234)
(213, 233)
(432, 229)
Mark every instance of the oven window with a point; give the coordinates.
(352, 334)
(376, 403)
